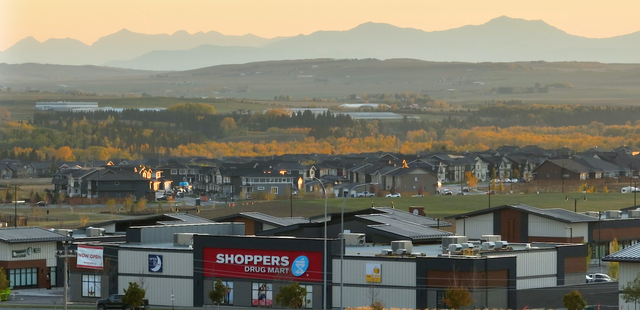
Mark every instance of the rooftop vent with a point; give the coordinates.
(387, 252)
(183, 238)
(453, 248)
(488, 246)
(402, 244)
(592, 213)
(491, 238)
(613, 214)
(354, 239)
(453, 240)
(634, 213)
(94, 232)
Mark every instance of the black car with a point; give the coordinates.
(161, 198)
(115, 302)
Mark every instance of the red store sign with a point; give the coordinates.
(263, 264)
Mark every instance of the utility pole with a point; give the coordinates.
(15, 206)
(65, 253)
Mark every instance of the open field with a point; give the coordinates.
(458, 83)
(436, 206)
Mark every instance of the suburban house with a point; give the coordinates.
(39, 169)
(562, 169)
(105, 182)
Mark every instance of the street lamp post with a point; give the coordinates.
(342, 248)
(324, 260)
(570, 234)
(575, 201)
(599, 239)
(66, 253)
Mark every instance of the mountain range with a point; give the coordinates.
(502, 39)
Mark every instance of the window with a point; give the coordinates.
(174, 171)
(261, 294)
(440, 304)
(260, 188)
(192, 171)
(228, 296)
(415, 179)
(116, 183)
(308, 300)
(91, 285)
(274, 190)
(52, 276)
(23, 277)
(183, 171)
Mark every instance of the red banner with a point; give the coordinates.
(263, 264)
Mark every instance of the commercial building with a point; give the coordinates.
(66, 106)
(28, 256)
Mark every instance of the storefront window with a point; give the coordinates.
(308, 301)
(440, 304)
(261, 294)
(228, 296)
(52, 276)
(91, 285)
(23, 277)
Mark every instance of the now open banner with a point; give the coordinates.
(90, 257)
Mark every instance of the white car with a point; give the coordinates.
(394, 195)
(598, 277)
(365, 194)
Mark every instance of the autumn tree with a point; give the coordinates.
(574, 301)
(613, 266)
(457, 297)
(142, 204)
(195, 108)
(5, 115)
(134, 295)
(111, 205)
(4, 282)
(128, 203)
(84, 219)
(631, 291)
(217, 293)
(472, 180)
(292, 296)
(228, 125)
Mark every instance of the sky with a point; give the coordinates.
(88, 20)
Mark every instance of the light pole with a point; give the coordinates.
(599, 239)
(342, 247)
(570, 234)
(324, 260)
(575, 201)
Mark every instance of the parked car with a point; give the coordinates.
(161, 198)
(180, 195)
(115, 302)
(465, 189)
(514, 180)
(365, 194)
(598, 277)
(394, 195)
(506, 180)
(447, 191)
(41, 204)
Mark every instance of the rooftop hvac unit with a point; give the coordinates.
(467, 245)
(417, 254)
(455, 248)
(183, 238)
(613, 214)
(491, 238)
(453, 240)
(501, 244)
(354, 239)
(634, 213)
(387, 252)
(401, 251)
(591, 213)
(94, 232)
(402, 244)
(66, 232)
(488, 246)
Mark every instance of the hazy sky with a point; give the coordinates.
(88, 20)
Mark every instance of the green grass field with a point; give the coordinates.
(435, 206)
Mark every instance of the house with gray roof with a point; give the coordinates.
(628, 260)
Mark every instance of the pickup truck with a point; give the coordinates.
(366, 194)
(115, 302)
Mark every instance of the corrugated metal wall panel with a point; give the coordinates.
(533, 263)
(579, 230)
(535, 283)
(159, 290)
(392, 272)
(137, 262)
(476, 226)
(627, 273)
(362, 296)
(47, 251)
